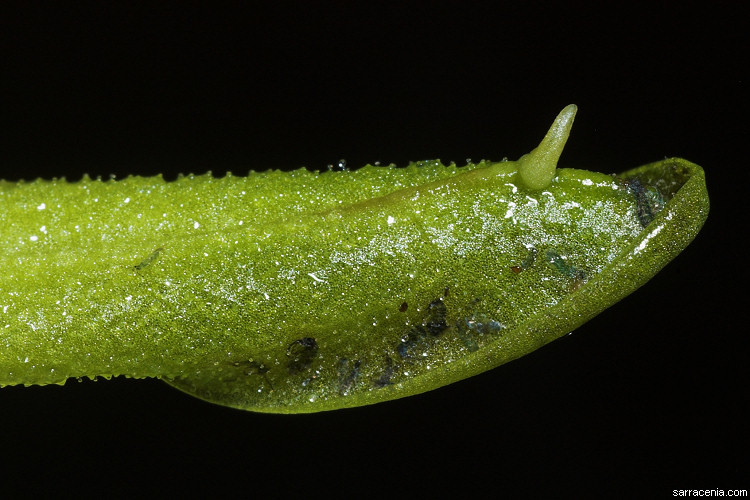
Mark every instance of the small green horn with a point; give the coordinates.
(537, 169)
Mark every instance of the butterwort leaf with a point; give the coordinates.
(301, 291)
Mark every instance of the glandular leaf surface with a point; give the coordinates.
(299, 292)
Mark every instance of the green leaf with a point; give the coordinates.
(301, 292)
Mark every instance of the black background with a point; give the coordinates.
(648, 397)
